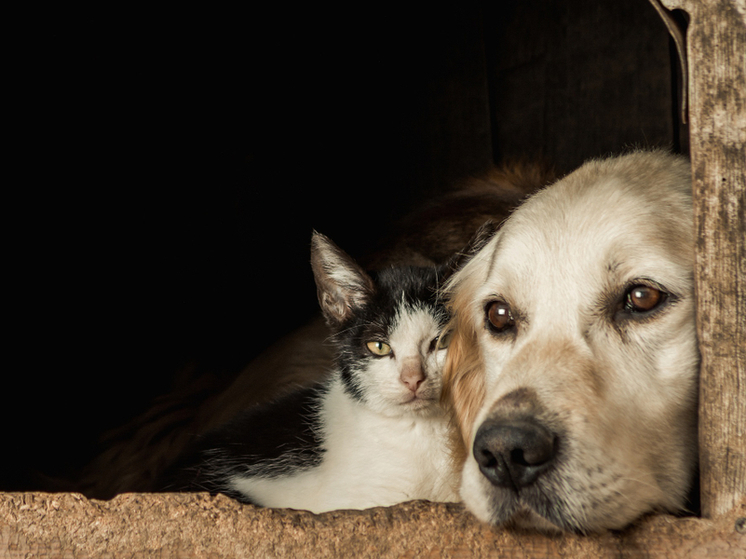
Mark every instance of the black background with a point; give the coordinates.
(172, 166)
(166, 169)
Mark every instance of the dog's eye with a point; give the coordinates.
(499, 316)
(643, 298)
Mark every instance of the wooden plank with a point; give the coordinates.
(195, 525)
(716, 48)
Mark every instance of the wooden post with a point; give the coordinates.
(716, 48)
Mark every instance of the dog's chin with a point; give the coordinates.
(533, 509)
(526, 519)
(538, 509)
(509, 510)
(513, 511)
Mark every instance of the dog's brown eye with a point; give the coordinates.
(499, 316)
(643, 298)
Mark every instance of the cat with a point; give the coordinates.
(374, 432)
(141, 455)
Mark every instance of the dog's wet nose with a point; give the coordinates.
(513, 453)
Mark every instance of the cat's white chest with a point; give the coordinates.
(370, 460)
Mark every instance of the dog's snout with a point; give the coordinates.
(513, 453)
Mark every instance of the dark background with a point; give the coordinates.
(168, 167)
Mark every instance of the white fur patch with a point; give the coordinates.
(370, 460)
(389, 448)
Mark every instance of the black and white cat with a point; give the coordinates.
(373, 433)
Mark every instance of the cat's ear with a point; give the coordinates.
(342, 285)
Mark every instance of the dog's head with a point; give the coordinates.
(572, 371)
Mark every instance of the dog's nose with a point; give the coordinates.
(513, 453)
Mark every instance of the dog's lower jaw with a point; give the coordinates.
(540, 509)
(486, 503)
(526, 519)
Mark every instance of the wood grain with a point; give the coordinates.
(716, 47)
(51, 526)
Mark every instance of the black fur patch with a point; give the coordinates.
(269, 440)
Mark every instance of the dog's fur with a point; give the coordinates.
(614, 389)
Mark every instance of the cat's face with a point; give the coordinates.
(387, 331)
(393, 363)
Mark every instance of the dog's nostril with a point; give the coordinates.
(516, 457)
(488, 459)
(513, 453)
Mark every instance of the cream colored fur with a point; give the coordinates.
(619, 391)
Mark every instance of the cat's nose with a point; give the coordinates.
(412, 375)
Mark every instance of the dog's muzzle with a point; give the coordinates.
(514, 452)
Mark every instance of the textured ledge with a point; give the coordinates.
(196, 525)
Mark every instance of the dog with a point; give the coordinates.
(572, 368)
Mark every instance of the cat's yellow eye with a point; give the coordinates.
(379, 348)
(443, 340)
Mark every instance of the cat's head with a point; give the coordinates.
(388, 330)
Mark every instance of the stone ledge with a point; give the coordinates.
(67, 525)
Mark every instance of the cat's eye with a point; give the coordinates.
(442, 341)
(499, 316)
(641, 298)
(379, 348)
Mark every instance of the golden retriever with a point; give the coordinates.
(572, 370)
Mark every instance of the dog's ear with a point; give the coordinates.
(341, 284)
(463, 382)
(478, 241)
(463, 373)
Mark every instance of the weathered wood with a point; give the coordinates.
(716, 47)
(50, 526)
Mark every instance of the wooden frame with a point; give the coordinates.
(196, 525)
(716, 52)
